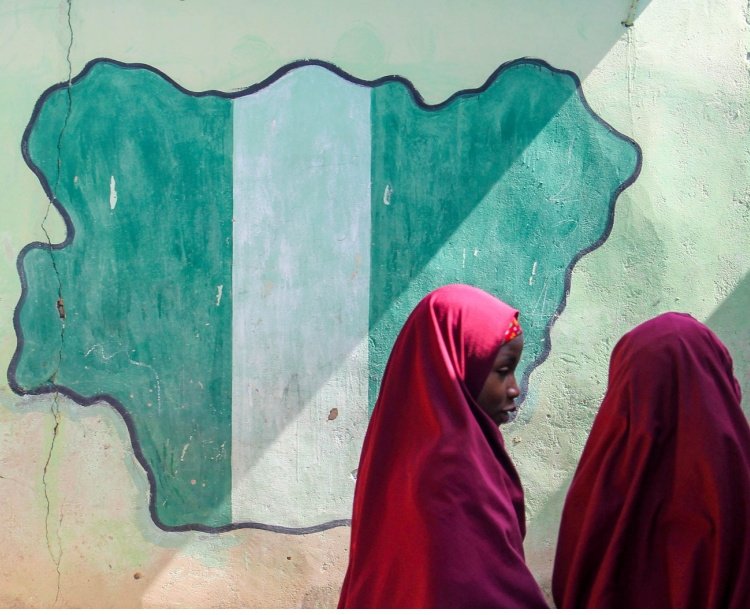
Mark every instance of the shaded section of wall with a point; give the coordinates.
(503, 189)
(730, 322)
(145, 177)
(301, 289)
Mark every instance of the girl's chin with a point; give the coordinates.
(503, 417)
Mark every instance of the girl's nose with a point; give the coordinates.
(514, 390)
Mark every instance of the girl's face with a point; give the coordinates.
(497, 397)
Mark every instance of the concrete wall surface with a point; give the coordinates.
(216, 216)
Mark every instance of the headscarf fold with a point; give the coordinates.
(658, 513)
(438, 517)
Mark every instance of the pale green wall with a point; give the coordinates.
(78, 531)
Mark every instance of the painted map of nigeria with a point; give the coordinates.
(237, 265)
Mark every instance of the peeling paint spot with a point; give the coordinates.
(112, 193)
(333, 414)
(533, 273)
(628, 21)
(184, 450)
(219, 291)
(387, 193)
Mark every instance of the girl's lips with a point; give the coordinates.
(505, 415)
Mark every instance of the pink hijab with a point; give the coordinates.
(658, 514)
(438, 516)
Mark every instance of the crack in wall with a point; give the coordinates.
(59, 555)
(632, 64)
(55, 558)
(59, 304)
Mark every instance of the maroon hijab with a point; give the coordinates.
(438, 516)
(658, 513)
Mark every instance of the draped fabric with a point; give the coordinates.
(658, 513)
(438, 517)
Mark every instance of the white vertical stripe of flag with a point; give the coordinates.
(300, 293)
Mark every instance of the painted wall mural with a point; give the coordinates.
(237, 265)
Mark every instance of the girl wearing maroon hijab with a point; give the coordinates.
(438, 516)
(658, 513)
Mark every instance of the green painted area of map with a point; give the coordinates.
(146, 177)
(499, 189)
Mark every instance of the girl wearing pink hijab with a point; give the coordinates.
(658, 513)
(438, 519)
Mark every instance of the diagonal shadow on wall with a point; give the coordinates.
(730, 322)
